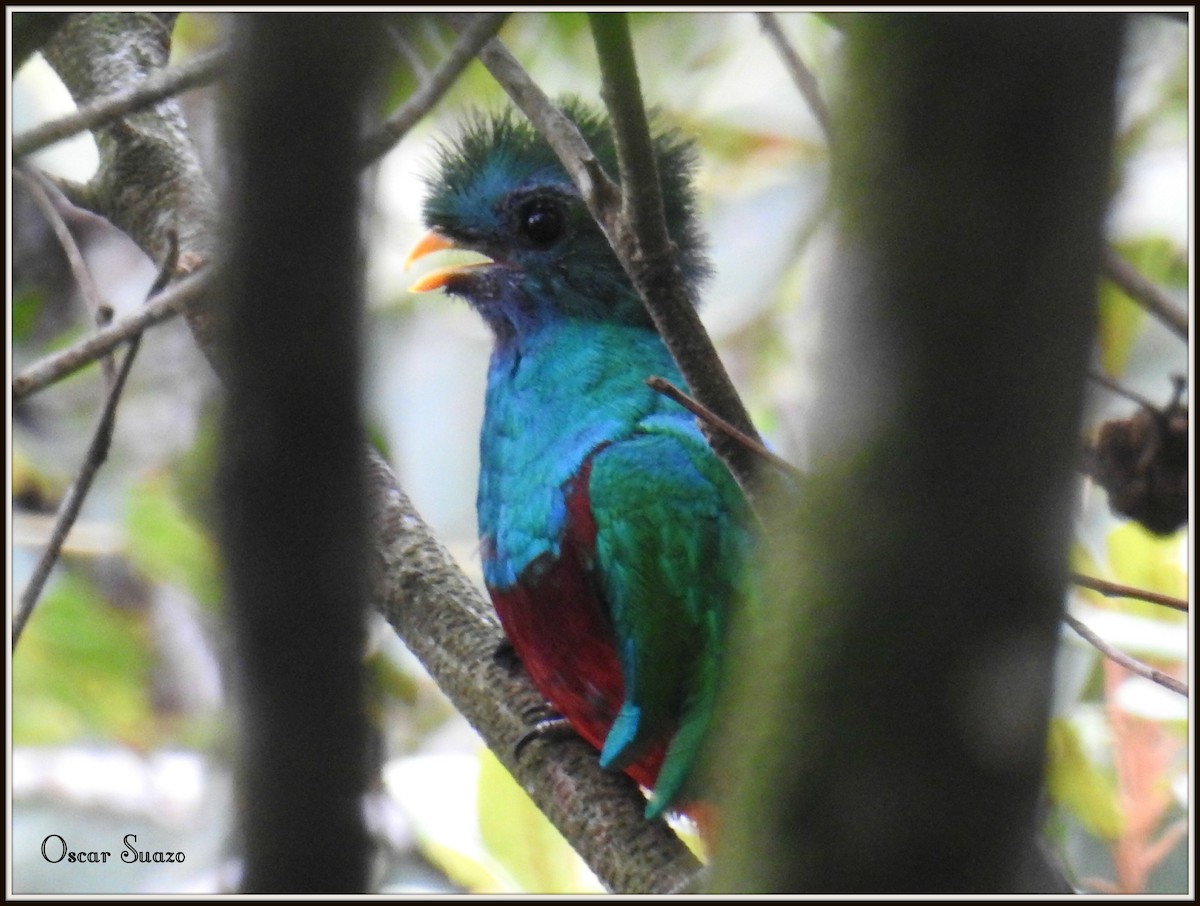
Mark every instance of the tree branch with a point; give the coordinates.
(1113, 590)
(426, 598)
(810, 90)
(648, 255)
(902, 624)
(101, 310)
(97, 453)
(1144, 293)
(669, 390)
(479, 29)
(162, 307)
(72, 503)
(293, 521)
(149, 181)
(1111, 385)
(1129, 663)
(163, 84)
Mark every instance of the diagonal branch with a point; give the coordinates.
(601, 194)
(648, 254)
(164, 306)
(669, 390)
(480, 29)
(1144, 292)
(433, 607)
(166, 83)
(1129, 663)
(101, 310)
(1113, 590)
(805, 81)
(72, 503)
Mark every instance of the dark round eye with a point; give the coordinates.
(541, 221)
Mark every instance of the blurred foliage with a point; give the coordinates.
(1078, 783)
(521, 839)
(82, 672)
(475, 822)
(1121, 319)
(84, 669)
(166, 544)
(25, 310)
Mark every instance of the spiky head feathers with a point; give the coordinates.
(498, 188)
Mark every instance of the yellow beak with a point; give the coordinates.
(433, 241)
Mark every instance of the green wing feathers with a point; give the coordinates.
(670, 545)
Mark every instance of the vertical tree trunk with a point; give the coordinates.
(887, 729)
(294, 534)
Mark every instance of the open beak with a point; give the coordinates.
(433, 241)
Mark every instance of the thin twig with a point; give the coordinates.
(800, 73)
(166, 83)
(172, 302)
(1113, 590)
(405, 48)
(601, 195)
(1116, 388)
(1129, 663)
(166, 304)
(669, 390)
(101, 311)
(97, 453)
(480, 30)
(73, 501)
(1144, 292)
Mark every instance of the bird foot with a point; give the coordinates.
(506, 656)
(545, 728)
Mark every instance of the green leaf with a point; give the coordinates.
(523, 840)
(1158, 259)
(1079, 785)
(25, 309)
(1142, 560)
(437, 792)
(389, 678)
(81, 670)
(1120, 321)
(166, 544)
(474, 823)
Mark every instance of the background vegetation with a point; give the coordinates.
(120, 685)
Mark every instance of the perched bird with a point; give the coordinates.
(612, 537)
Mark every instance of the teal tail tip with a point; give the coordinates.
(618, 751)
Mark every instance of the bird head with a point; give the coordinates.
(498, 189)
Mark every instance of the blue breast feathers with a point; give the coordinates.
(552, 399)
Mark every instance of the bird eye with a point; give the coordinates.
(541, 221)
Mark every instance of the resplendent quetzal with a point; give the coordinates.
(612, 537)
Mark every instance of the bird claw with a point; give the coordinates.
(538, 714)
(506, 656)
(544, 728)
